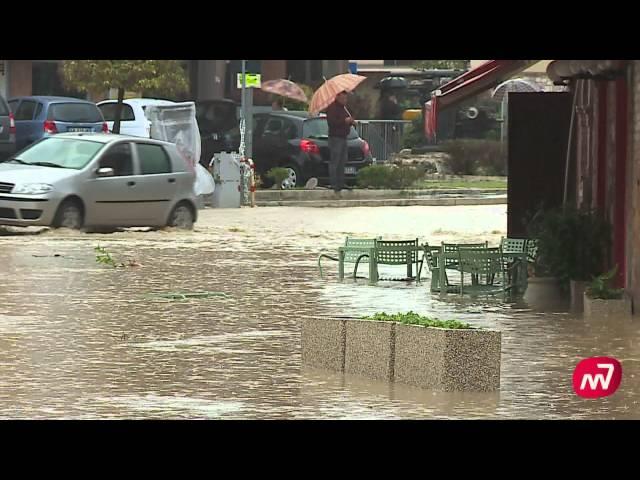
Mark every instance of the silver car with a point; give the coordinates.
(77, 180)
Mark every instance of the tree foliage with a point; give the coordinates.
(134, 75)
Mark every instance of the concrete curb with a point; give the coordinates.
(366, 194)
(398, 202)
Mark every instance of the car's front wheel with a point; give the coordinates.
(69, 215)
(294, 179)
(181, 217)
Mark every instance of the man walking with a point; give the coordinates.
(340, 122)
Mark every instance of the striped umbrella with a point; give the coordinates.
(285, 88)
(514, 85)
(326, 94)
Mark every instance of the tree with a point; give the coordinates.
(442, 65)
(137, 75)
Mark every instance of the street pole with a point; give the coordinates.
(247, 113)
(243, 109)
(248, 141)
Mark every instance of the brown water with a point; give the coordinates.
(83, 340)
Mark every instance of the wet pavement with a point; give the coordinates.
(84, 340)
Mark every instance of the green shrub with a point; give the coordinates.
(572, 244)
(412, 318)
(601, 287)
(277, 175)
(388, 176)
(476, 157)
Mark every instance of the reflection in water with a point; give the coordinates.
(82, 340)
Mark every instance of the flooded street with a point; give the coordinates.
(83, 340)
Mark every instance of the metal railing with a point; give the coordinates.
(384, 136)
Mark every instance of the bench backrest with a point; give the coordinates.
(360, 246)
(396, 252)
(486, 261)
(532, 250)
(513, 245)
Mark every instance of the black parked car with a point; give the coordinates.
(7, 130)
(300, 143)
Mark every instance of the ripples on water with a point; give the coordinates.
(82, 340)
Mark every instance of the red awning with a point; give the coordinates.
(470, 83)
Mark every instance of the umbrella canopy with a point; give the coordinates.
(515, 85)
(285, 88)
(326, 94)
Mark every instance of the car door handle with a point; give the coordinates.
(131, 184)
(172, 180)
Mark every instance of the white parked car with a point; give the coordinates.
(133, 120)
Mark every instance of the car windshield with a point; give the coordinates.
(319, 128)
(75, 113)
(60, 152)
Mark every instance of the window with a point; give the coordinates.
(109, 112)
(273, 127)
(26, 110)
(319, 128)
(119, 158)
(13, 105)
(64, 152)
(38, 110)
(4, 108)
(153, 159)
(74, 113)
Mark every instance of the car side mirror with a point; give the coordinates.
(105, 172)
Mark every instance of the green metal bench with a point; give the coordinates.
(514, 256)
(431, 253)
(400, 252)
(484, 266)
(355, 250)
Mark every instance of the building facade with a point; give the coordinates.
(208, 79)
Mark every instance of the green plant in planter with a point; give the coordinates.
(572, 244)
(412, 318)
(600, 287)
(277, 175)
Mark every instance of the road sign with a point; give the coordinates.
(253, 80)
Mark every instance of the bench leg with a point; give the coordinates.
(373, 269)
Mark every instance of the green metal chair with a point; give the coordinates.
(357, 250)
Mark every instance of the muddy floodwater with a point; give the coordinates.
(79, 339)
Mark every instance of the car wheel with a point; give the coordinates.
(181, 217)
(69, 215)
(294, 179)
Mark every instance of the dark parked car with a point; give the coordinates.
(218, 124)
(7, 130)
(38, 117)
(300, 143)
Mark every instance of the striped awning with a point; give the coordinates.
(473, 82)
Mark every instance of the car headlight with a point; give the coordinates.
(32, 188)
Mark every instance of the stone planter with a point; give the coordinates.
(543, 292)
(447, 359)
(577, 294)
(599, 308)
(323, 343)
(370, 349)
(433, 358)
